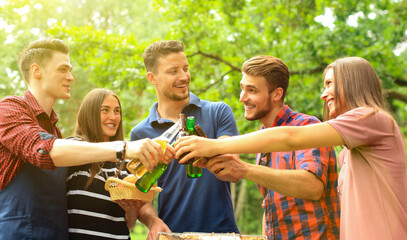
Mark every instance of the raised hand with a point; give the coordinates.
(195, 147)
(227, 167)
(147, 151)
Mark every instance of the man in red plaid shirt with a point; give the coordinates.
(32, 184)
(299, 187)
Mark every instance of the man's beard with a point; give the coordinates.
(176, 97)
(262, 113)
(258, 115)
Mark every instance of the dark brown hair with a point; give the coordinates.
(356, 85)
(272, 69)
(39, 52)
(88, 124)
(158, 49)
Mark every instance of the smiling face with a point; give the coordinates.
(329, 93)
(255, 97)
(56, 77)
(110, 117)
(172, 78)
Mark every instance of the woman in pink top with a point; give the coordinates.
(373, 176)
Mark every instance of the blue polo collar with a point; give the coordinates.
(194, 101)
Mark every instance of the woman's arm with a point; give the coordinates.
(276, 139)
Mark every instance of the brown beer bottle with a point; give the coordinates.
(182, 131)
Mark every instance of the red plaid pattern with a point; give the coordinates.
(293, 218)
(27, 135)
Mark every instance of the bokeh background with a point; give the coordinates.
(107, 39)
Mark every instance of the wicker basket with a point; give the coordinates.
(120, 189)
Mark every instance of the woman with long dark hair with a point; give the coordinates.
(91, 213)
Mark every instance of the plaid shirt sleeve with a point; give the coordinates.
(293, 218)
(314, 160)
(22, 139)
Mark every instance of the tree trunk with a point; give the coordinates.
(241, 200)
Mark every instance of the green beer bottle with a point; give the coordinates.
(191, 171)
(149, 178)
(135, 166)
(145, 182)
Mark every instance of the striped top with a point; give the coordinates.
(91, 213)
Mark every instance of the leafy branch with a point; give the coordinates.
(202, 90)
(392, 94)
(213, 56)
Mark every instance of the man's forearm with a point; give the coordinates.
(291, 183)
(72, 153)
(147, 214)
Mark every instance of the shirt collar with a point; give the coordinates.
(36, 107)
(194, 101)
(281, 117)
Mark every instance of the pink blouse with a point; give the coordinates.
(373, 176)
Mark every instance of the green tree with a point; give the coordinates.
(220, 35)
(107, 39)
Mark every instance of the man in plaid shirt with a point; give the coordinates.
(299, 187)
(32, 182)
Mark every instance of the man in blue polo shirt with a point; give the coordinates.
(185, 205)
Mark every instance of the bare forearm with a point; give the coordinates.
(147, 214)
(291, 183)
(281, 139)
(73, 153)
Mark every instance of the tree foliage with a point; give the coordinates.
(107, 39)
(221, 35)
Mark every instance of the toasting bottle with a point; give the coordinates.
(199, 131)
(191, 171)
(182, 131)
(136, 167)
(146, 181)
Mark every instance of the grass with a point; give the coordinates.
(139, 232)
